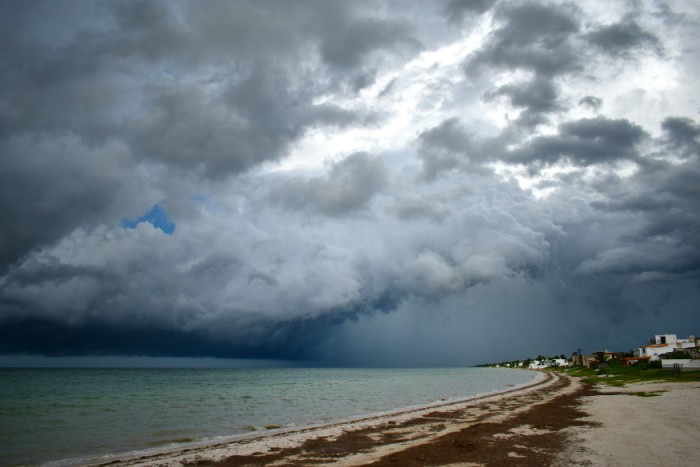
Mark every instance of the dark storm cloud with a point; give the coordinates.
(591, 101)
(584, 142)
(645, 223)
(664, 198)
(450, 146)
(682, 134)
(245, 51)
(250, 336)
(294, 340)
(213, 88)
(416, 244)
(219, 133)
(532, 37)
(536, 98)
(261, 286)
(621, 38)
(347, 44)
(456, 11)
(49, 187)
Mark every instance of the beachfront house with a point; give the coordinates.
(663, 344)
(540, 364)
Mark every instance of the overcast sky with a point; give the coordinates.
(347, 183)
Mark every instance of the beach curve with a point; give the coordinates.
(359, 440)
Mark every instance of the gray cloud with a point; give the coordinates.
(532, 37)
(347, 44)
(449, 146)
(591, 101)
(585, 141)
(49, 188)
(348, 187)
(248, 122)
(537, 98)
(257, 96)
(682, 134)
(646, 218)
(435, 224)
(421, 208)
(213, 90)
(621, 38)
(265, 287)
(456, 11)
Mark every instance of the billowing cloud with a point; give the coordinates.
(349, 186)
(456, 11)
(346, 182)
(620, 38)
(536, 98)
(585, 141)
(530, 36)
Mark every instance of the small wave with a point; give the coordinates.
(272, 426)
(251, 428)
(167, 442)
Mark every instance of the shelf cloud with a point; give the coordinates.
(347, 183)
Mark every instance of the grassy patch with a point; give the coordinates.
(618, 375)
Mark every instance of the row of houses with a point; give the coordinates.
(541, 364)
(660, 346)
(597, 358)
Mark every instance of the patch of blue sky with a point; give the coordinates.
(157, 217)
(207, 202)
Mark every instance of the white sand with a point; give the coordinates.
(640, 431)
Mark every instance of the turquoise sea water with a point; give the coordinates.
(53, 414)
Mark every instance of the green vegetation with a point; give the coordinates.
(616, 374)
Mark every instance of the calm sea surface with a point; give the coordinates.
(52, 414)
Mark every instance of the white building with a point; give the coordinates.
(539, 365)
(662, 344)
(685, 365)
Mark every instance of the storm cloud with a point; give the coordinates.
(347, 183)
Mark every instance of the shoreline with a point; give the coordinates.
(290, 437)
(555, 420)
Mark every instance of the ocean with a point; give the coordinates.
(58, 414)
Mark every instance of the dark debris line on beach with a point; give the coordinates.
(486, 443)
(497, 444)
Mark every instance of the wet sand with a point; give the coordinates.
(556, 421)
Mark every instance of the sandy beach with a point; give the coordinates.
(554, 421)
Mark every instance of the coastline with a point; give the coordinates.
(280, 441)
(555, 420)
(69, 416)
